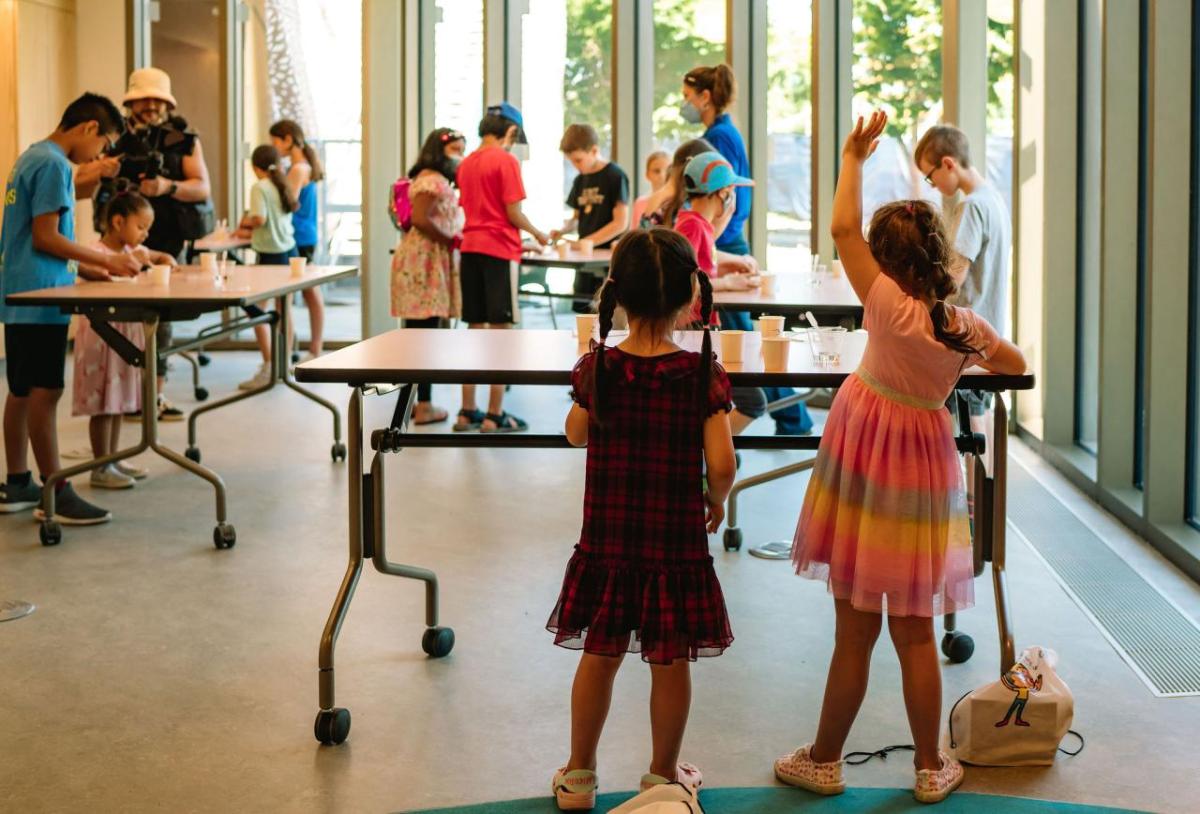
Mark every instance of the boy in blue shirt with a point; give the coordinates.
(38, 250)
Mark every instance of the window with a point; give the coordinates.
(458, 67)
(789, 134)
(897, 68)
(566, 78)
(687, 34)
(1088, 234)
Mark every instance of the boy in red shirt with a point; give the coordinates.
(491, 191)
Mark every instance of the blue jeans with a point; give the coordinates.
(794, 420)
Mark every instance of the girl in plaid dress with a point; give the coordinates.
(655, 419)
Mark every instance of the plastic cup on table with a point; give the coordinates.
(775, 353)
(585, 326)
(297, 264)
(770, 325)
(159, 275)
(767, 285)
(733, 346)
(826, 345)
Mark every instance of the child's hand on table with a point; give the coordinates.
(122, 265)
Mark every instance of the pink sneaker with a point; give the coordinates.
(685, 775)
(935, 785)
(799, 769)
(574, 790)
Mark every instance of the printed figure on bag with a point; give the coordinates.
(1022, 682)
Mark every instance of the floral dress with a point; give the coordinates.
(424, 271)
(104, 383)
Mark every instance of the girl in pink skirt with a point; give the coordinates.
(105, 386)
(884, 522)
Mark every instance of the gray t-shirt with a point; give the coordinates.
(982, 237)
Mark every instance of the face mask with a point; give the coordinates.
(730, 202)
(690, 113)
(520, 151)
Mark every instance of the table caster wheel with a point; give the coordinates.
(224, 536)
(732, 539)
(332, 726)
(50, 533)
(957, 646)
(295, 356)
(338, 452)
(203, 359)
(201, 394)
(438, 642)
(192, 454)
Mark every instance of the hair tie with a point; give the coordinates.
(909, 206)
(273, 167)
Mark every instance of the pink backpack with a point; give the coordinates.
(399, 205)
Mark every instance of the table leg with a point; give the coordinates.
(338, 452)
(193, 451)
(223, 535)
(333, 723)
(999, 519)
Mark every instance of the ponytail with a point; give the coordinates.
(684, 153)
(718, 80)
(287, 128)
(266, 158)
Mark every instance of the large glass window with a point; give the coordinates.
(1087, 257)
(687, 34)
(789, 132)
(897, 68)
(566, 78)
(1001, 96)
(458, 67)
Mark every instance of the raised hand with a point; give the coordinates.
(863, 139)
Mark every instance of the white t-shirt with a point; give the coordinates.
(982, 239)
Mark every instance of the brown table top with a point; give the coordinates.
(189, 286)
(598, 259)
(794, 294)
(414, 355)
(220, 243)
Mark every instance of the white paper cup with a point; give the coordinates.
(297, 265)
(770, 326)
(775, 353)
(767, 286)
(208, 262)
(160, 275)
(585, 326)
(836, 268)
(586, 247)
(733, 345)
(563, 250)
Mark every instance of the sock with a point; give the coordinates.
(58, 487)
(20, 478)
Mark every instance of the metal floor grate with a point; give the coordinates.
(1156, 639)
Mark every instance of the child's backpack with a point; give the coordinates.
(399, 205)
(1018, 720)
(669, 798)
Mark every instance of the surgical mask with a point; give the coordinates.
(520, 151)
(730, 201)
(690, 113)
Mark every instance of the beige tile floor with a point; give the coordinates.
(159, 674)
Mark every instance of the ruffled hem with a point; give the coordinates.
(664, 612)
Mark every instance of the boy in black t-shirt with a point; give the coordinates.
(600, 198)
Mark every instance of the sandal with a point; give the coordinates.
(505, 422)
(434, 415)
(686, 775)
(574, 790)
(474, 420)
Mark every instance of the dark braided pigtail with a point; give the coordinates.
(706, 351)
(608, 305)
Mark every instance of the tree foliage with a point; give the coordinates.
(898, 60)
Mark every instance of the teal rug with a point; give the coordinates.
(777, 800)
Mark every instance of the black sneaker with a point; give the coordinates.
(168, 411)
(15, 499)
(72, 510)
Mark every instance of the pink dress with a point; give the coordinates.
(104, 384)
(424, 272)
(884, 522)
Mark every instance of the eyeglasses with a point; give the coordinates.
(929, 177)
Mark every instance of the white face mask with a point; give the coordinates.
(730, 202)
(520, 151)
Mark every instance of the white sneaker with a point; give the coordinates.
(107, 477)
(935, 785)
(130, 470)
(260, 379)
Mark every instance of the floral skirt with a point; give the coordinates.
(104, 383)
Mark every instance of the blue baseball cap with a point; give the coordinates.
(513, 114)
(709, 172)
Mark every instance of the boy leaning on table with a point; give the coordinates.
(38, 250)
(981, 237)
(599, 199)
